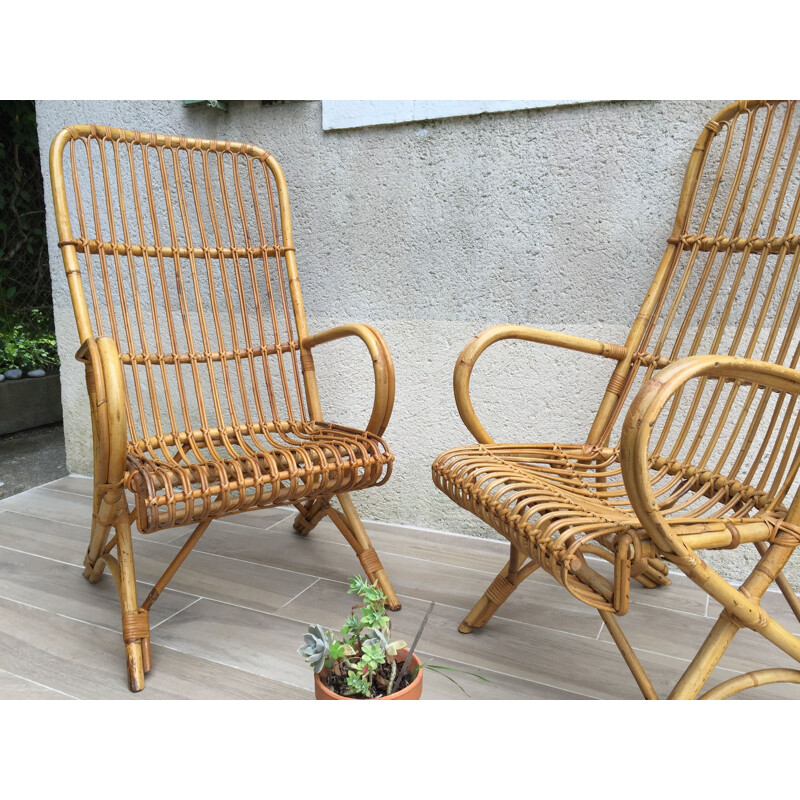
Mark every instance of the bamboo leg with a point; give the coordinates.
(352, 529)
(706, 660)
(640, 676)
(499, 591)
(310, 513)
(105, 509)
(718, 640)
(783, 584)
(170, 571)
(135, 626)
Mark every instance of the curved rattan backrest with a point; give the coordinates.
(728, 285)
(181, 251)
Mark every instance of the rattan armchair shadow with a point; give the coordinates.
(703, 405)
(203, 393)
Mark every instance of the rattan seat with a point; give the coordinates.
(201, 379)
(695, 445)
(303, 462)
(557, 502)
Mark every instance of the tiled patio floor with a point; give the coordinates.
(230, 622)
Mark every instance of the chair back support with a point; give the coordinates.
(726, 285)
(181, 251)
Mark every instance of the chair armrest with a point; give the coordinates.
(648, 404)
(106, 388)
(469, 355)
(382, 366)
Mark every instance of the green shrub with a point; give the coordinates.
(26, 343)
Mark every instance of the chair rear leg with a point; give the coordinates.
(351, 527)
(500, 589)
(103, 512)
(309, 514)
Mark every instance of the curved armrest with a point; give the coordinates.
(469, 355)
(382, 366)
(648, 404)
(107, 395)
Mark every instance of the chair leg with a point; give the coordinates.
(309, 514)
(135, 621)
(774, 558)
(624, 647)
(351, 527)
(499, 591)
(103, 512)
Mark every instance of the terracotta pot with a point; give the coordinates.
(412, 692)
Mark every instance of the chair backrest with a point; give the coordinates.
(181, 251)
(727, 285)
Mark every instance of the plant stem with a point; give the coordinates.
(390, 687)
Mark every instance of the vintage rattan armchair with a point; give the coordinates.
(709, 450)
(203, 394)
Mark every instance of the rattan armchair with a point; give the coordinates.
(203, 393)
(695, 445)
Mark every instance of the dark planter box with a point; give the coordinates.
(29, 403)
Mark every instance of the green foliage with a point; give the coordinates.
(27, 341)
(363, 647)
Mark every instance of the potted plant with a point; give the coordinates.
(361, 661)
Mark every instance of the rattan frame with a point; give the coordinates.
(730, 459)
(172, 231)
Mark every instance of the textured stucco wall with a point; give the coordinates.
(431, 232)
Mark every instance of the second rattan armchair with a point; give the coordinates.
(203, 393)
(709, 452)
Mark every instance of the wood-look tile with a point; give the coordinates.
(75, 484)
(43, 537)
(89, 663)
(54, 504)
(499, 686)
(62, 589)
(488, 555)
(457, 586)
(254, 585)
(256, 642)
(12, 687)
(69, 507)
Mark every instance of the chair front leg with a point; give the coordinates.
(500, 589)
(729, 622)
(351, 527)
(135, 620)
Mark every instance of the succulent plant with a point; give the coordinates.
(380, 636)
(317, 646)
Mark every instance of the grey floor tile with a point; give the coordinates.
(89, 663)
(12, 687)
(256, 642)
(62, 589)
(457, 586)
